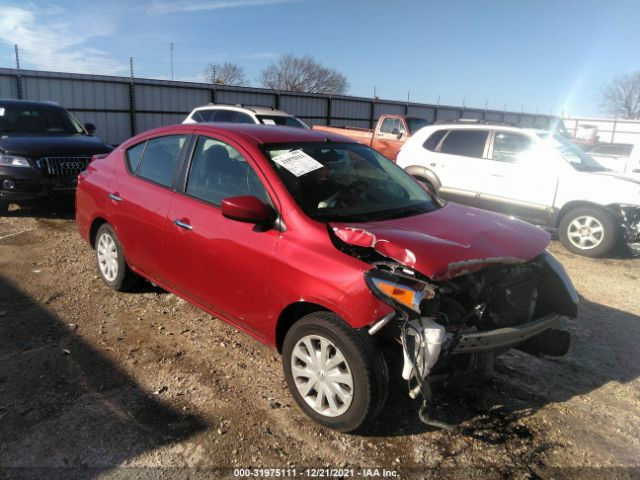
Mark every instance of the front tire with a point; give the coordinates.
(112, 265)
(336, 374)
(588, 231)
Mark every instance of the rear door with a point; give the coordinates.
(221, 264)
(458, 162)
(141, 198)
(518, 181)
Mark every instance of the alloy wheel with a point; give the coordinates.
(585, 232)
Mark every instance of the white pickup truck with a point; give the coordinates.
(533, 174)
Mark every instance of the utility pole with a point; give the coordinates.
(375, 95)
(132, 99)
(171, 52)
(464, 102)
(408, 95)
(19, 78)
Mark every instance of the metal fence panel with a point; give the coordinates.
(423, 112)
(78, 94)
(170, 99)
(448, 114)
(8, 87)
(147, 121)
(246, 98)
(112, 127)
(381, 108)
(351, 109)
(308, 107)
(472, 114)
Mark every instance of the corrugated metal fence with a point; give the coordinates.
(121, 107)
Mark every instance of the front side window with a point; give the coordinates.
(219, 171)
(389, 125)
(509, 147)
(347, 182)
(467, 143)
(160, 159)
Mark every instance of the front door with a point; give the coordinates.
(518, 181)
(223, 265)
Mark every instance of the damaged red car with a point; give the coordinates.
(326, 250)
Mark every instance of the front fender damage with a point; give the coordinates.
(480, 308)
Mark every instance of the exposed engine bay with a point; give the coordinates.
(472, 312)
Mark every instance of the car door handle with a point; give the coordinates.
(115, 197)
(496, 175)
(184, 225)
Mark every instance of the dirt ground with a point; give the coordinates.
(99, 384)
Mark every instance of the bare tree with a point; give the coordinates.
(303, 74)
(226, 74)
(621, 97)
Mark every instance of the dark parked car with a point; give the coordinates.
(325, 249)
(43, 148)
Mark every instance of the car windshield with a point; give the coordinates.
(38, 119)
(415, 124)
(577, 158)
(347, 182)
(285, 121)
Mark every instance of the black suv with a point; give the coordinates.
(43, 148)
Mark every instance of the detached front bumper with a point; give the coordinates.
(502, 338)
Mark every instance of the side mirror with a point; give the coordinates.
(399, 135)
(90, 128)
(246, 208)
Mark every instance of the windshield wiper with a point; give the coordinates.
(404, 212)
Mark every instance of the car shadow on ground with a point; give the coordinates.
(523, 384)
(63, 208)
(66, 409)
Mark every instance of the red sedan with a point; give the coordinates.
(326, 250)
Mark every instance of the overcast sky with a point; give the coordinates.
(550, 56)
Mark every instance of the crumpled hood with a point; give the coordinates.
(37, 146)
(450, 241)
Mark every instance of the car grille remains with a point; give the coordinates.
(63, 166)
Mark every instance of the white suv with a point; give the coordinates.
(533, 174)
(243, 114)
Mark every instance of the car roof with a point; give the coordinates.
(28, 103)
(258, 110)
(252, 133)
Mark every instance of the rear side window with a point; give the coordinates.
(202, 116)
(230, 116)
(219, 171)
(432, 142)
(161, 158)
(468, 143)
(134, 155)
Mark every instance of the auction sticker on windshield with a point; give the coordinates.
(297, 162)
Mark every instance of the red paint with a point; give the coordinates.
(247, 274)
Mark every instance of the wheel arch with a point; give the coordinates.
(420, 171)
(567, 207)
(291, 314)
(93, 230)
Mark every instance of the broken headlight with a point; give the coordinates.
(396, 290)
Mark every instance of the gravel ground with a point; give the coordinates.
(99, 384)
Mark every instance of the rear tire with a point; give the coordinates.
(4, 208)
(112, 265)
(588, 231)
(349, 373)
